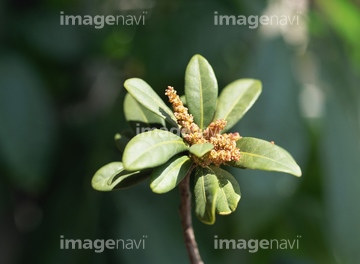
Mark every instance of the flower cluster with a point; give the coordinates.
(224, 150)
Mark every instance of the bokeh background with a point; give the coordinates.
(61, 100)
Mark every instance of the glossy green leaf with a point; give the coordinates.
(263, 155)
(139, 116)
(113, 176)
(201, 90)
(151, 149)
(206, 191)
(200, 150)
(146, 96)
(229, 191)
(167, 176)
(236, 99)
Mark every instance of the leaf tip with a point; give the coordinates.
(197, 56)
(297, 172)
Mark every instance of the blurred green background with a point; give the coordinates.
(61, 97)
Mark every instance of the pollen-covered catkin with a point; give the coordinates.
(224, 150)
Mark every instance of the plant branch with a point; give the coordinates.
(186, 221)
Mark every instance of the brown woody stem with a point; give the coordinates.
(186, 222)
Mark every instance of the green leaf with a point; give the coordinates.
(146, 96)
(236, 99)
(200, 150)
(263, 155)
(138, 116)
(167, 176)
(229, 192)
(114, 176)
(201, 90)
(205, 190)
(151, 149)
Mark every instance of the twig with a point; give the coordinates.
(186, 222)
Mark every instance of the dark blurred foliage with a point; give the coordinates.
(61, 100)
